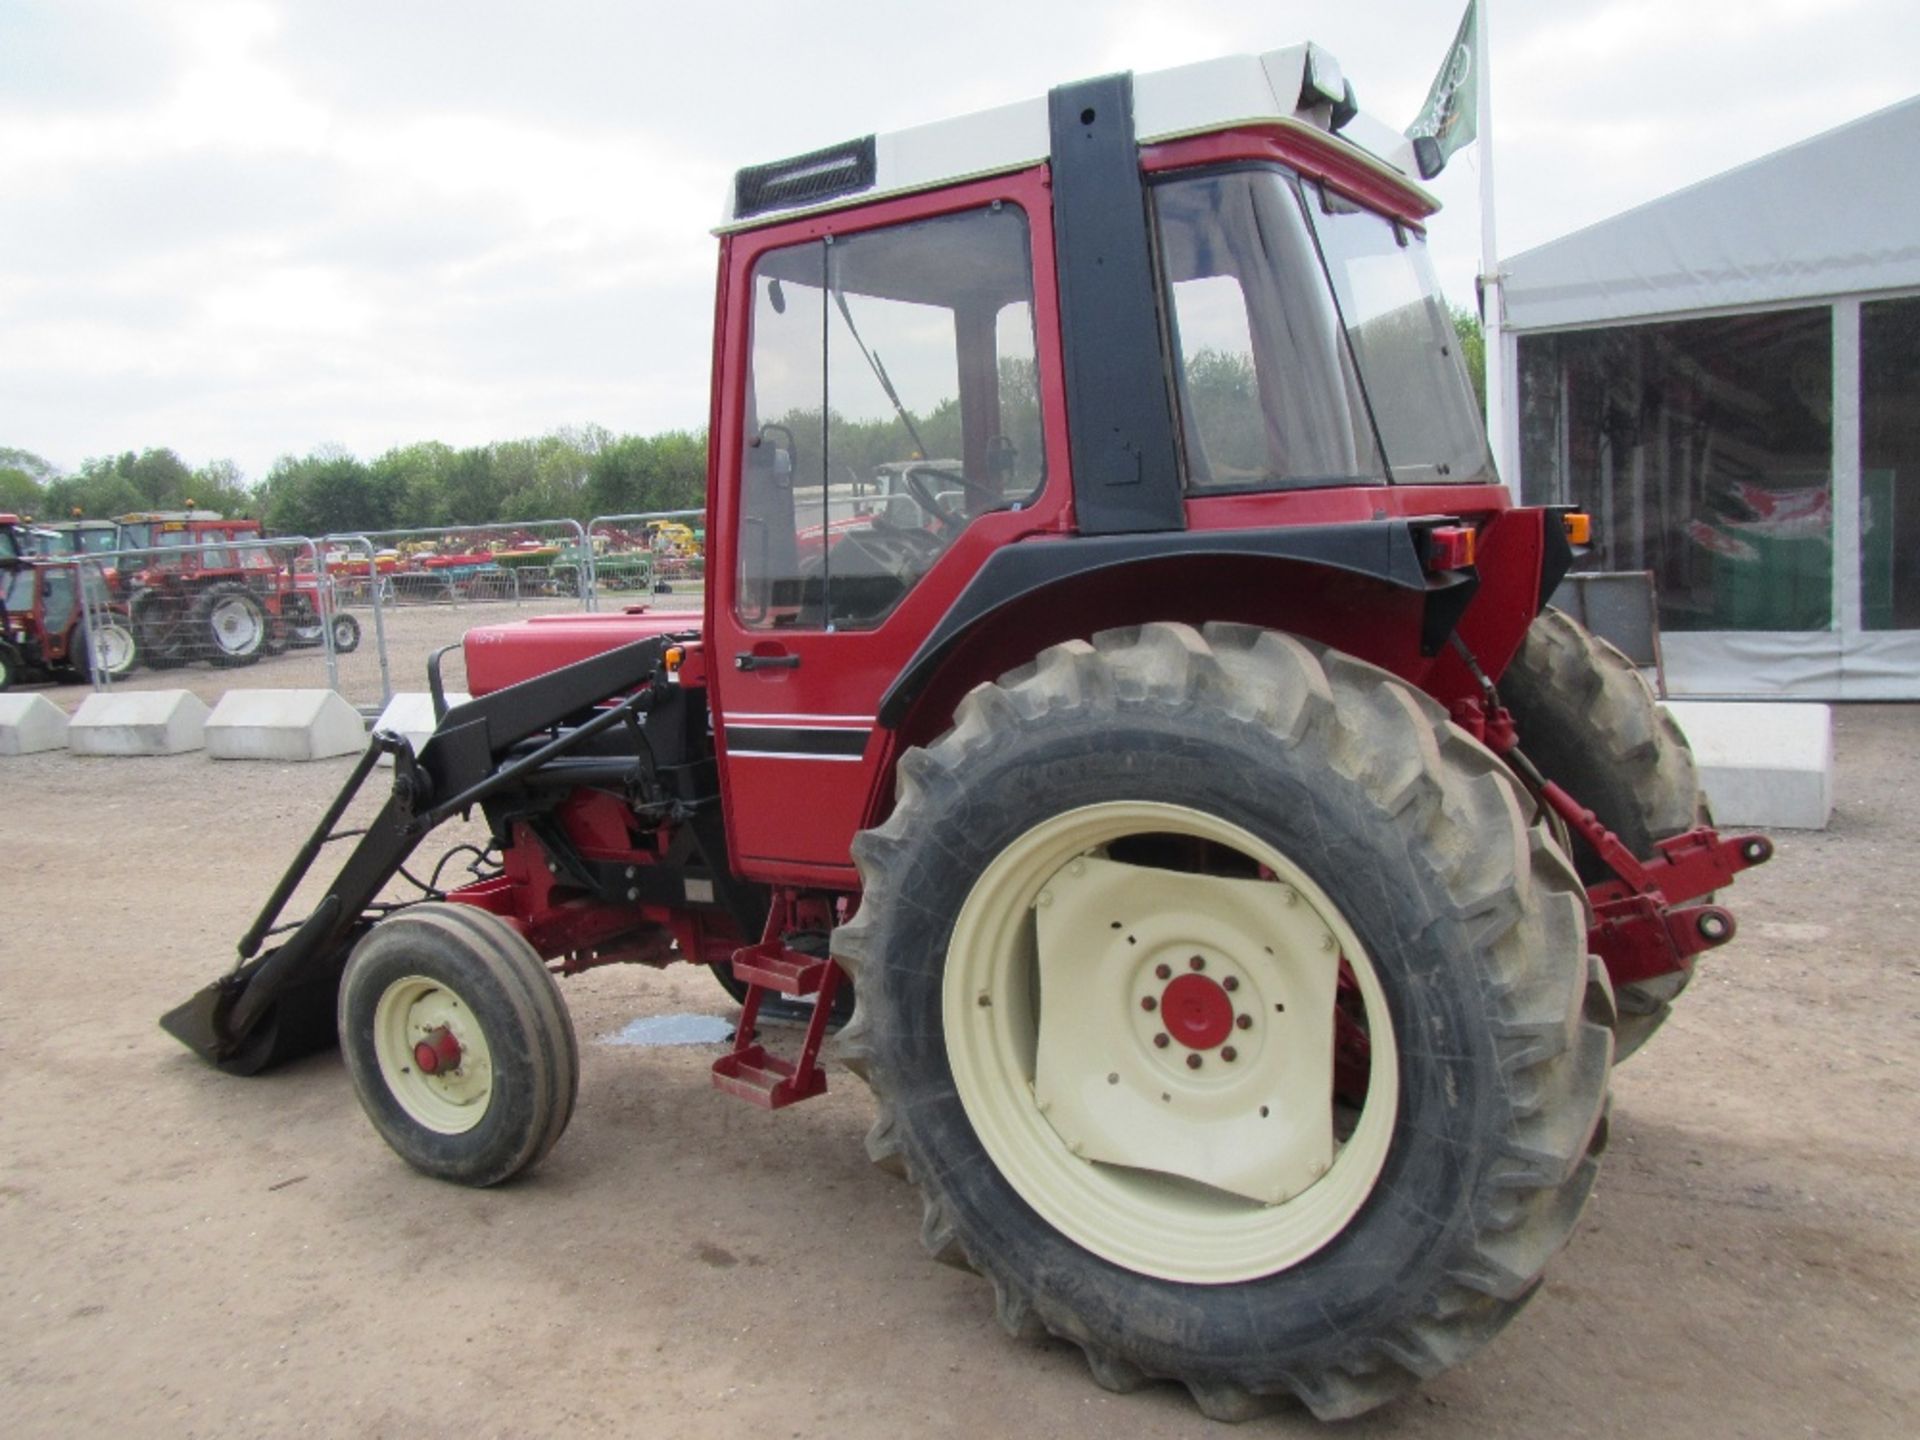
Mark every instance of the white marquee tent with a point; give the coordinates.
(1729, 379)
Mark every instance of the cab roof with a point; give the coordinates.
(1299, 87)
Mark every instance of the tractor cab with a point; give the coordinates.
(79, 537)
(195, 544)
(45, 623)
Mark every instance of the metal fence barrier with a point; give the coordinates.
(359, 612)
(256, 611)
(426, 587)
(658, 553)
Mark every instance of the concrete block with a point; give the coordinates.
(138, 722)
(30, 724)
(410, 713)
(284, 725)
(1763, 765)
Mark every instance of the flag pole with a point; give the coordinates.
(1499, 434)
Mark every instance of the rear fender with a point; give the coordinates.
(1366, 594)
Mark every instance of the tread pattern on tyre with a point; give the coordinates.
(1510, 885)
(1568, 681)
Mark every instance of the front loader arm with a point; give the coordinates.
(275, 1006)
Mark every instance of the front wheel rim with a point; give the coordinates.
(416, 1011)
(1151, 1202)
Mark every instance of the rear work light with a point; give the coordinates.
(1450, 547)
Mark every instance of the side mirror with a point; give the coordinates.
(1427, 156)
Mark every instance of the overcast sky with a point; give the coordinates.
(243, 228)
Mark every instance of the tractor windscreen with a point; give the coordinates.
(1404, 341)
(1286, 381)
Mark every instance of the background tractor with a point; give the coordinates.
(1244, 884)
(44, 630)
(199, 591)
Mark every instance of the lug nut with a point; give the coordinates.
(1161, 1041)
(1230, 984)
(1196, 963)
(1147, 1002)
(1245, 1022)
(1163, 972)
(1229, 1054)
(1193, 1061)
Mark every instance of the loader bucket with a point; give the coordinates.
(300, 1021)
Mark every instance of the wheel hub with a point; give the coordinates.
(432, 1054)
(1196, 1012)
(1186, 1026)
(438, 1053)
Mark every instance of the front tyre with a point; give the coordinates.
(1589, 722)
(1257, 1049)
(458, 1043)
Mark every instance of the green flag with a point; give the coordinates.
(1450, 118)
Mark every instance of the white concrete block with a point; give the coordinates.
(138, 722)
(410, 713)
(284, 725)
(30, 724)
(1763, 764)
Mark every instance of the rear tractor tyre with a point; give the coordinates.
(1115, 919)
(233, 625)
(160, 626)
(458, 1043)
(1590, 723)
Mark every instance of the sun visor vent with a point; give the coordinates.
(807, 179)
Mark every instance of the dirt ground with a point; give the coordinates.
(183, 1253)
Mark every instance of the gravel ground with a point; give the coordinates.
(182, 1253)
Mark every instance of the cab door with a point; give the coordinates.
(880, 428)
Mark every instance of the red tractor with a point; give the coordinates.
(198, 591)
(46, 633)
(1245, 884)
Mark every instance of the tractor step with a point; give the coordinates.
(748, 1071)
(767, 1080)
(782, 970)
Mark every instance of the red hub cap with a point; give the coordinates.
(1196, 1012)
(438, 1052)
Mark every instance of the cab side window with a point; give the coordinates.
(892, 400)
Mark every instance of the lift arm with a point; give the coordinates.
(278, 1005)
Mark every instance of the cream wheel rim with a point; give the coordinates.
(416, 1011)
(113, 649)
(237, 626)
(1090, 1103)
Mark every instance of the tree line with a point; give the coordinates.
(566, 474)
(573, 473)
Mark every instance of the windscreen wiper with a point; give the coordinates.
(879, 373)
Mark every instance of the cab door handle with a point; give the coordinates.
(747, 660)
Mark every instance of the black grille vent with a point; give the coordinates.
(805, 179)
